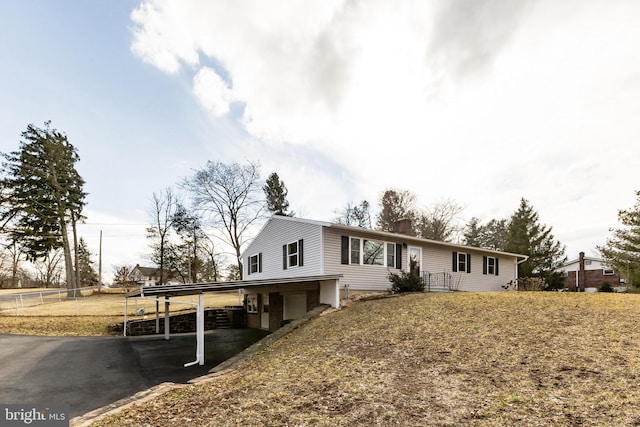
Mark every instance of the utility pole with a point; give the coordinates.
(100, 262)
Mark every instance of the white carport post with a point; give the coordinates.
(157, 315)
(199, 333)
(166, 318)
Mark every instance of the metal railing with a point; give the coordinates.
(440, 281)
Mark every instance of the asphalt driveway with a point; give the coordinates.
(89, 372)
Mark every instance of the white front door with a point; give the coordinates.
(414, 262)
(264, 313)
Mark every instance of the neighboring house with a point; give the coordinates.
(148, 276)
(318, 261)
(588, 273)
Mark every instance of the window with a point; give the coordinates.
(490, 265)
(372, 252)
(607, 271)
(461, 262)
(292, 254)
(252, 303)
(355, 251)
(391, 255)
(255, 264)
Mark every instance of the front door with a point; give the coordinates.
(415, 260)
(264, 313)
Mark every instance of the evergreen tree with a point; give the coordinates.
(526, 236)
(472, 235)
(86, 271)
(492, 235)
(622, 250)
(394, 206)
(43, 194)
(276, 193)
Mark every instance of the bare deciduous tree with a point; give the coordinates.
(440, 222)
(354, 215)
(230, 195)
(162, 213)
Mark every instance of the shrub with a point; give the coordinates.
(605, 287)
(531, 284)
(406, 282)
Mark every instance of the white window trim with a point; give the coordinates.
(257, 264)
(290, 254)
(462, 260)
(361, 251)
(491, 267)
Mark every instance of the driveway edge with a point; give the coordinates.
(224, 368)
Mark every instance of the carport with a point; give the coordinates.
(328, 287)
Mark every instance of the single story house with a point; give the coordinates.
(588, 273)
(343, 260)
(149, 276)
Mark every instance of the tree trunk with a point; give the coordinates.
(68, 262)
(75, 251)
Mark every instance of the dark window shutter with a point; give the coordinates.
(300, 254)
(398, 256)
(484, 264)
(260, 262)
(344, 250)
(496, 266)
(249, 266)
(468, 263)
(284, 257)
(454, 265)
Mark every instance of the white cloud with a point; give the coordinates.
(482, 103)
(212, 92)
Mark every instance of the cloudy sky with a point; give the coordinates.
(480, 101)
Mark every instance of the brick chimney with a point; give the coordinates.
(403, 226)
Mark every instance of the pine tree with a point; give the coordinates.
(87, 275)
(622, 250)
(276, 193)
(43, 194)
(526, 236)
(394, 206)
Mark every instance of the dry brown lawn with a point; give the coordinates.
(92, 314)
(457, 359)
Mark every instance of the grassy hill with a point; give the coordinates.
(453, 359)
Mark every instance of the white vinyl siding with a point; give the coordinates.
(280, 231)
(358, 276)
(323, 254)
(435, 259)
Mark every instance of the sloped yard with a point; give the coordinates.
(432, 360)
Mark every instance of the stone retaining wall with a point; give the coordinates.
(231, 317)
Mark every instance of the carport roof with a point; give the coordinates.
(196, 288)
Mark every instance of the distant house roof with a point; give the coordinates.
(147, 271)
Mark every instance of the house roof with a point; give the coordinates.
(587, 258)
(196, 288)
(387, 235)
(147, 271)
